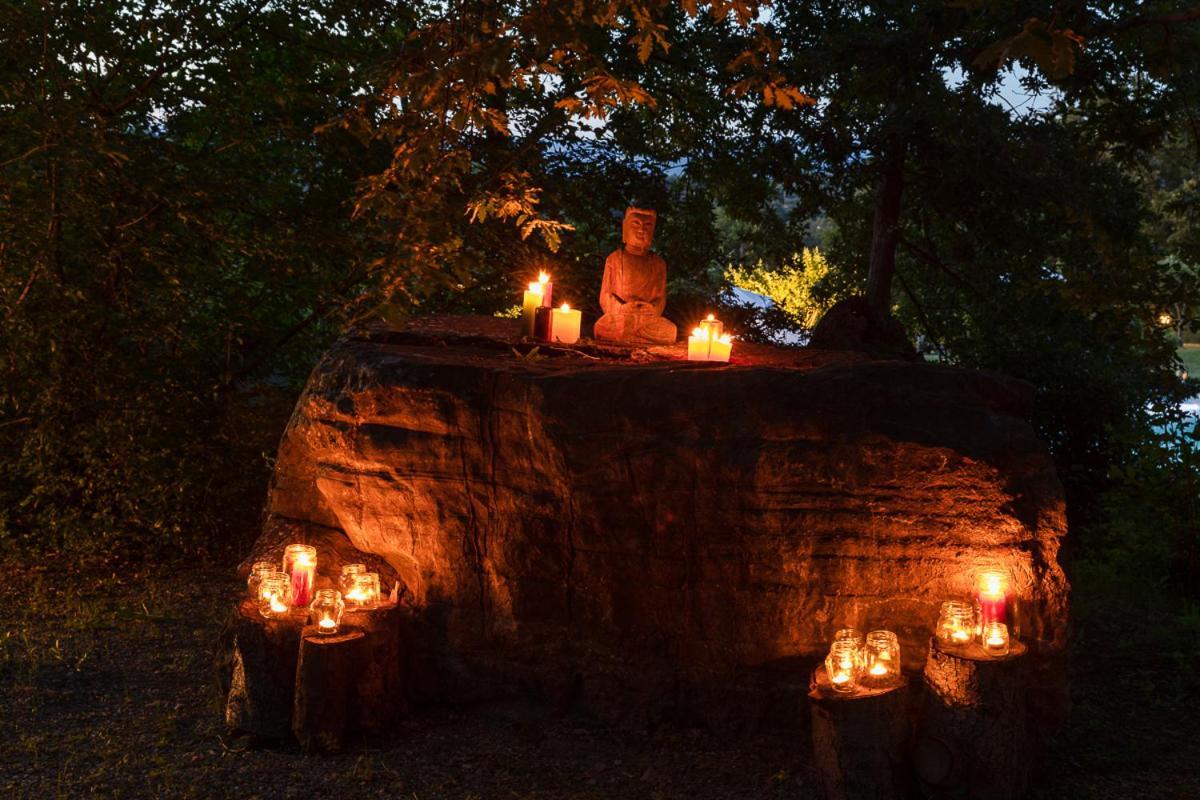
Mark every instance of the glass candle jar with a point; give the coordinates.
(849, 635)
(992, 596)
(881, 659)
(995, 639)
(956, 622)
(300, 563)
(346, 579)
(326, 611)
(272, 595)
(254, 581)
(843, 665)
(364, 592)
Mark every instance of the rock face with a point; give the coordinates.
(648, 538)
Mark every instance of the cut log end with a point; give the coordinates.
(860, 740)
(973, 739)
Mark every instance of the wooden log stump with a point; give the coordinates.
(264, 672)
(379, 697)
(973, 740)
(860, 741)
(327, 673)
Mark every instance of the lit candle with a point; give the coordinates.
(881, 655)
(956, 622)
(712, 327)
(327, 609)
(720, 348)
(300, 563)
(842, 665)
(995, 639)
(272, 592)
(992, 596)
(529, 306)
(364, 593)
(698, 345)
(566, 324)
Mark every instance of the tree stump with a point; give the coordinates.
(264, 673)
(379, 697)
(860, 741)
(973, 740)
(327, 673)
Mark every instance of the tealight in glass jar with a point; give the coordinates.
(364, 593)
(346, 579)
(254, 581)
(956, 623)
(881, 659)
(326, 611)
(994, 639)
(272, 595)
(843, 665)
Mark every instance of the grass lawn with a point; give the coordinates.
(108, 691)
(1190, 355)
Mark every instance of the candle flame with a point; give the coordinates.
(276, 606)
(878, 669)
(840, 677)
(535, 288)
(960, 636)
(543, 278)
(326, 622)
(711, 318)
(355, 594)
(697, 332)
(303, 560)
(566, 306)
(991, 584)
(726, 338)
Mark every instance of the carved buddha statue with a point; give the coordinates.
(634, 292)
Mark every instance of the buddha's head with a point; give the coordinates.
(637, 231)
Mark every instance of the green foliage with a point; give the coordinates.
(174, 244)
(795, 287)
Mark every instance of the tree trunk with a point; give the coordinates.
(264, 672)
(327, 673)
(379, 695)
(884, 236)
(973, 741)
(860, 743)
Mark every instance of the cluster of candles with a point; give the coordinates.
(874, 661)
(709, 342)
(541, 320)
(985, 620)
(277, 591)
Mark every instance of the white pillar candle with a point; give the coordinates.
(720, 348)
(699, 344)
(565, 324)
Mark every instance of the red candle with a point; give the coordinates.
(300, 563)
(992, 597)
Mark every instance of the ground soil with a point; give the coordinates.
(107, 690)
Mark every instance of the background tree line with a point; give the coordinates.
(195, 198)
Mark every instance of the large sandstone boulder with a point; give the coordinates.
(648, 538)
